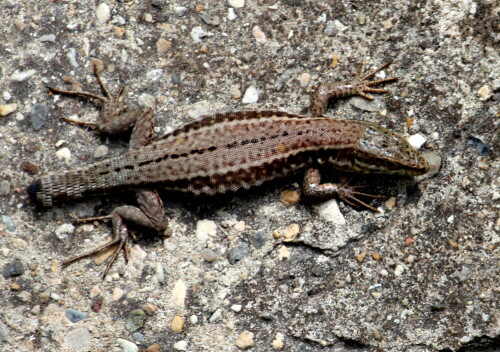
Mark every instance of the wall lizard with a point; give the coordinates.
(227, 152)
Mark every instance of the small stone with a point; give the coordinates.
(360, 257)
(484, 93)
(13, 269)
(20, 25)
(148, 17)
(127, 346)
(64, 154)
(6, 96)
(193, 319)
(236, 3)
(117, 294)
(251, 95)
(236, 308)
(48, 38)
(179, 294)
(278, 341)
(181, 345)
(416, 141)
(135, 320)
(245, 340)
(7, 109)
(154, 348)
(205, 229)
(103, 13)
(209, 255)
(4, 333)
(118, 31)
(376, 335)
(5, 187)
(399, 270)
(478, 144)
(239, 226)
(21, 76)
(260, 37)
(291, 232)
(387, 23)
(177, 324)
(74, 316)
(180, 10)
(138, 336)
(304, 79)
(333, 28)
(149, 309)
(231, 15)
(215, 316)
(452, 243)
(376, 256)
(260, 239)
(330, 211)
(78, 338)
(198, 33)
(288, 197)
(101, 151)
(163, 45)
(211, 20)
(239, 251)
(390, 203)
(198, 109)
(38, 116)
(384, 273)
(147, 100)
(367, 105)
(136, 259)
(64, 230)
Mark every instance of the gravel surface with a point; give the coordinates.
(247, 271)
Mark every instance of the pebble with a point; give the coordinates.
(4, 333)
(239, 251)
(236, 3)
(135, 320)
(64, 230)
(64, 154)
(177, 324)
(198, 33)
(71, 55)
(7, 221)
(278, 341)
(21, 76)
(4, 188)
(149, 309)
(333, 28)
(38, 116)
(7, 109)
(304, 79)
(78, 338)
(260, 37)
(180, 10)
(289, 197)
(367, 105)
(239, 226)
(103, 13)
(117, 294)
(163, 45)
(74, 316)
(245, 340)
(251, 95)
(179, 294)
(48, 38)
(384, 272)
(480, 146)
(330, 212)
(198, 109)
(13, 269)
(20, 25)
(6, 96)
(127, 346)
(484, 93)
(154, 75)
(205, 229)
(215, 316)
(399, 270)
(138, 336)
(101, 151)
(416, 141)
(291, 232)
(260, 239)
(231, 15)
(360, 257)
(209, 255)
(211, 20)
(193, 319)
(181, 345)
(236, 308)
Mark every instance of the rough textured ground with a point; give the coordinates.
(422, 276)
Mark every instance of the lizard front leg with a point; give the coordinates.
(150, 212)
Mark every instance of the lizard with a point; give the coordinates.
(227, 152)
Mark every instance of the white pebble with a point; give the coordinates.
(215, 316)
(127, 346)
(330, 211)
(205, 229)
(236, 308)
(6, 96)
(260, 37)
(198, 33)
(181, 345)
(416, 141)
(231, 15)
(71, 55)
(64, 230)
(236, 3)
(21, 76)
(64, 154)
(193, 319)
(251, 95)
(399, 270)
(180, 10)
(103, 13)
